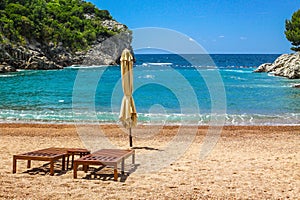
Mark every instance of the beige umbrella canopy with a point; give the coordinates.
(128, 115)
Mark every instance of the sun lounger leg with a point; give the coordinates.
(85, 168)
(75, 170)
(63, 163)
(68, 159)
(51, 167)
(133, 158)
(115, 174)
(122, 165)
(28, 163)
(14, 165)
(72, 160)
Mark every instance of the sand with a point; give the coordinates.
(248, 162)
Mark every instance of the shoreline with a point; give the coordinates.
(143, 129)
(139, 124)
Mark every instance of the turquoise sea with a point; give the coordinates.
(168, 89)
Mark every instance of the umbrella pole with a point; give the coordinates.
(130, 138)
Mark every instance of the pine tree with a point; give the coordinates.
(292, 31)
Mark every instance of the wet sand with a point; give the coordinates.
(248, 162)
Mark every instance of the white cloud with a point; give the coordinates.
(243, 38)
(221, 36)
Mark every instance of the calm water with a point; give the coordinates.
(169, 89)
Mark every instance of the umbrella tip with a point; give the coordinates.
(126, 50)
(126, 55)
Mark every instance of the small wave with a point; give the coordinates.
(86, 67)
(7, 75)
(229, 119)
(255, 86)
(148, 76)
(156, 64)
(237, 71)
(271, 74)
(238, 78)
(294, 85)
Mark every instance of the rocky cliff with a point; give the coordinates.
(287, 65)
(106, 50)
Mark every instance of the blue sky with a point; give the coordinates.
(231, 26)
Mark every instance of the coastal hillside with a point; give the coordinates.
(52, 34)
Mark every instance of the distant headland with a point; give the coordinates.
(42, 34)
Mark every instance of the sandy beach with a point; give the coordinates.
(248, 162)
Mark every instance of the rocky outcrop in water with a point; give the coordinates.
(287, 65)
(106, 50)
(6, 68)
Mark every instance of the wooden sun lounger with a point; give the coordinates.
(51, 155)
(105, 157)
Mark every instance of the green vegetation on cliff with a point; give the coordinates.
(74, 24)
(292, 32)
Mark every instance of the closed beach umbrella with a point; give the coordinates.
(128, 115)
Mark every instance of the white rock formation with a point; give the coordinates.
(287, 65)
